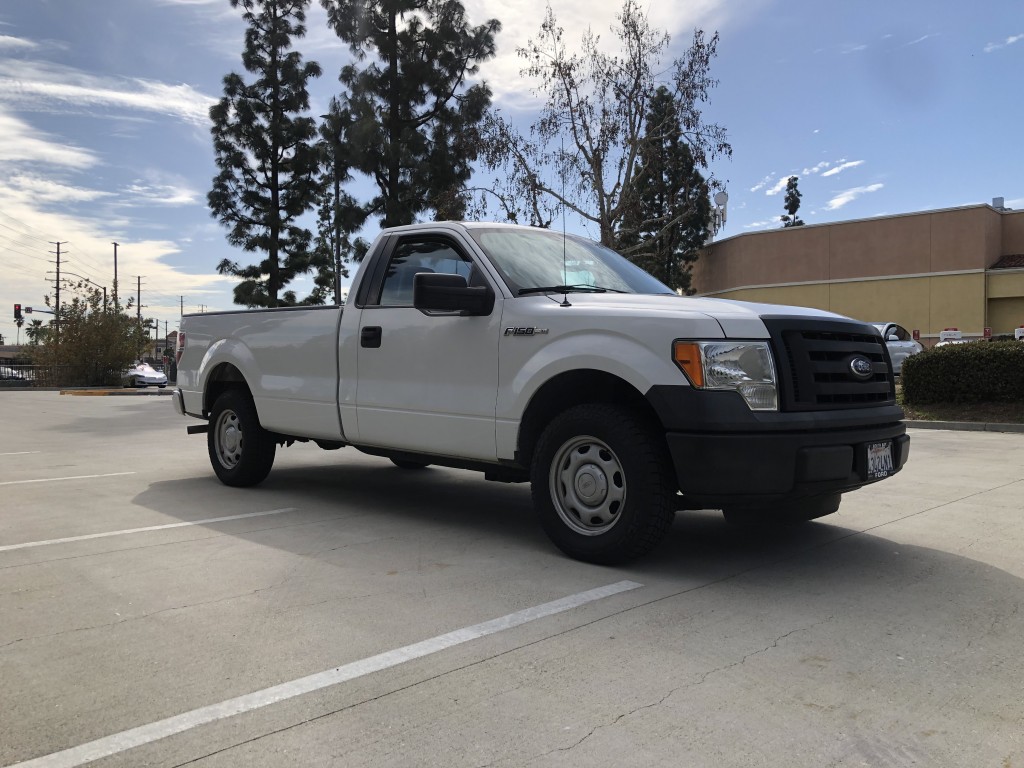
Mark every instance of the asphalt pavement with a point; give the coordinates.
(349, 613)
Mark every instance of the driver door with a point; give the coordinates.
(427, 382)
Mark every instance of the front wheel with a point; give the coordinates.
(602, 484)
(241, 451)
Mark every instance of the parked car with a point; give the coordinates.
(947, 342)
(12, 377)
(143, 375)
(899, 342)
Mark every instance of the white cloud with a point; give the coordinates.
(766, 223)
(818, 168)
(763, 183)
(1009, 41)
(920, 40)
(16, 43)
(24, 144)
(850, 195)
(779, 186)
(171, 194)
(36, 85)
(842, 167)
(41, 190)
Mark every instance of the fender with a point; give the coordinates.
(233, 352)
(602, 350)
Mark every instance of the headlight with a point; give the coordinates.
(743, 366)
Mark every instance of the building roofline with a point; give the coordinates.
(870, 218)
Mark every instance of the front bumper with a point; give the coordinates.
(726, 455)
(738, 470)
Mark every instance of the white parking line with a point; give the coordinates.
(74, 477)
(28, 544)
(121, 742)
(18, 453)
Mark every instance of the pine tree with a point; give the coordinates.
(413, 115)
(266, 151)
(669, 219)
(792, 204)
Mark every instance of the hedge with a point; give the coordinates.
(977, 372)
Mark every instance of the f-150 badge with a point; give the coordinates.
(518, 331)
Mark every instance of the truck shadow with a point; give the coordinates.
(373, 501)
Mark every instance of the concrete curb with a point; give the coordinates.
(964, 426)
(119, 392)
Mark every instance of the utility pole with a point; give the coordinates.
(138, 305)
(182, 298)
(56, 313)
(117, 307)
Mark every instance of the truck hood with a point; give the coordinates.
(738, 319)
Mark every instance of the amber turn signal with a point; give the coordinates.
(687, 357)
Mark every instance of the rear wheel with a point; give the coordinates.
(241, 451)
(602, 484)
(789, 513)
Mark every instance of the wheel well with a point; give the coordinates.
(224, 377)
(567, 390)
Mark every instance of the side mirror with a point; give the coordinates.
(893, 337)
(438, 292)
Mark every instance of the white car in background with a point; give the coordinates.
(899, 342)
(143, 375)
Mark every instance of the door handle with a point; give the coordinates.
(370, 337)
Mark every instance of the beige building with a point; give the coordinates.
(956, 268)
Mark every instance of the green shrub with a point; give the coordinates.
(978, 372)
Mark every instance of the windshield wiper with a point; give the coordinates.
(568, 289)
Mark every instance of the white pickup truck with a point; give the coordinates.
(534, 356)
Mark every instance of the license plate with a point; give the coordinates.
(880, 460)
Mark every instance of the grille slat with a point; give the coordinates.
(815, 357)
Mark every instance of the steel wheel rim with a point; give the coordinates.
(587, 485)
(228, 439)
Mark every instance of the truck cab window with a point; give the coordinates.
(414, 256)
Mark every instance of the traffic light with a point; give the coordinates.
(17, 311)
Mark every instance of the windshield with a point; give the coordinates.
(532, 259)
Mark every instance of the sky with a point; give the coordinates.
(879, 108)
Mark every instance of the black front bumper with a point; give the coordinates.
(727, 456)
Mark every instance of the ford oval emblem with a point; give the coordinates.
(861, 368)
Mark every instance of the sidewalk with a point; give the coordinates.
(965, 426)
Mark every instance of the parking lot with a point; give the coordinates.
(349, 613)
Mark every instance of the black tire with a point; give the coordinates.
(241, 451)
(407, 464)
(779, 515)
(603, 484)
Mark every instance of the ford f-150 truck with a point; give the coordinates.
(536, 356)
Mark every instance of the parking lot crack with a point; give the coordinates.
(140, 617)
(663, 699)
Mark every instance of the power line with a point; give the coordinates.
(40, 237)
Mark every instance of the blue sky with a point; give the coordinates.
(879, 107)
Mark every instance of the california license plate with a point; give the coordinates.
(880, 460)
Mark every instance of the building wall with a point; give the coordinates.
(925, 271)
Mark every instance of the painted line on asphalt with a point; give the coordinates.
(19, 453)
(74, 477)
(126, 531)
(121, 742)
